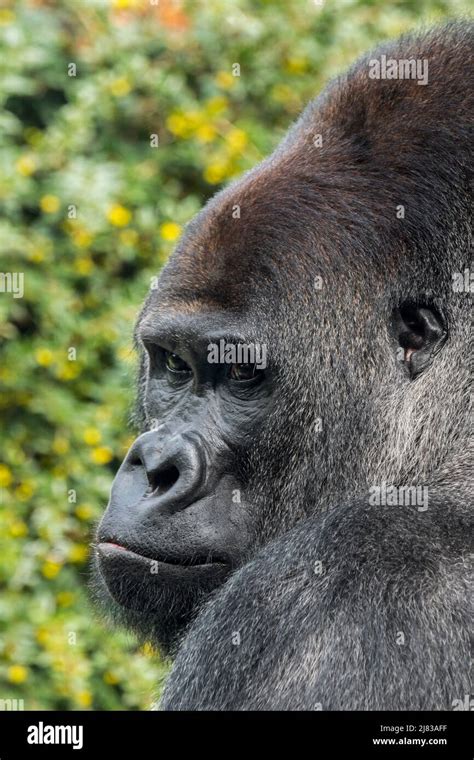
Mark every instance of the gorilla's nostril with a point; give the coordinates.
(162, 480)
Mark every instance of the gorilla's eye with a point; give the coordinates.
(175, 364)
(243, 371)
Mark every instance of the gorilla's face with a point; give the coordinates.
(180, 516)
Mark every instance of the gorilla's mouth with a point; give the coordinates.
(144, 584)
(110, 550)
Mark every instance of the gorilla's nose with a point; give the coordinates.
(175, 472)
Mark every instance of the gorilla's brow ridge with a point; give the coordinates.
(161, 327)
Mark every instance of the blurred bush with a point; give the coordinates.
(118, 120)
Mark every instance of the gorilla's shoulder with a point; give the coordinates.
(326, 605)
(355, 536)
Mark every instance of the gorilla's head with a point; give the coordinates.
(298, 343)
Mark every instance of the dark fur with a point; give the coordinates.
(329, 640)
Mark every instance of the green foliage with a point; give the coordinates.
(90, 208)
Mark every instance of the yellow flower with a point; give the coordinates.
(50, 569)
(65, 598)
(6, 477)
(59, 663)
(18, 529)
(83, 265)
(170, 231)
(44, 357)
(42, 635)
(68, 371)
(49, 204)
(6, 16)
(26, 165)
(237, 139)
(24, 491)
(111, 678)
(225, 80)
(84, 698)
(102, 455)
(36, 255)
(78, 553)
(119, 216)
(122, 5)
(17, 673)
(216, 172)
(216, 105)
(120, 87)
(187, 123)
(84, 512)
(296, 65)
(60, 445)
(206, 133)
(82, 238)
(177, 124)
(194, 119)
(92, 436)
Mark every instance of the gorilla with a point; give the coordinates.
(293, 523)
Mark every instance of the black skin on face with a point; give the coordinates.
(178, 520)
(253, 490)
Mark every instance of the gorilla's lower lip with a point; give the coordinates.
(109, 549)
(140, 583)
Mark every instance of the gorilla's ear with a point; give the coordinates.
(421, 332)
